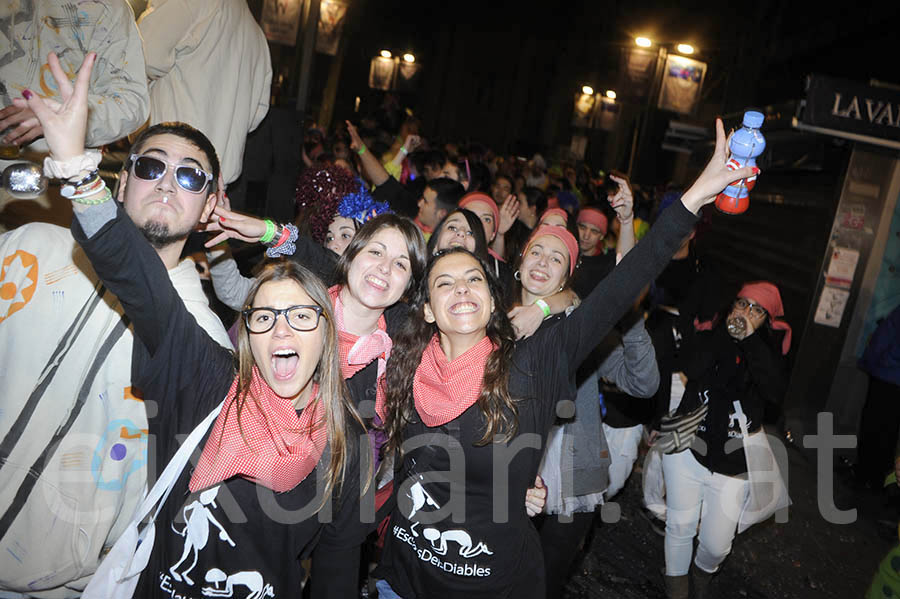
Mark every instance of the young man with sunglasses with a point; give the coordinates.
(73, 435)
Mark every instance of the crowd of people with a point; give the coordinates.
(445, 365)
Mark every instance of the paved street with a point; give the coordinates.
(806, 557)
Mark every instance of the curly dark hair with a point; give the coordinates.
(499, 408)
(319, 191)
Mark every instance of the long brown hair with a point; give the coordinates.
(499, 409)
(340, 415)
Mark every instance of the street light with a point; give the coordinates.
(385, 53)
(685, 48)
(408, 57)
(643, 42)
(610, 94)
(587, 90)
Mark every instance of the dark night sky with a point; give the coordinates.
(855, 40)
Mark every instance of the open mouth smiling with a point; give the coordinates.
(284, 363)
(463, 308)
(374, 281)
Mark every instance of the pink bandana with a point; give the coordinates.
(273, 446)
(355, 353)
(442, 389)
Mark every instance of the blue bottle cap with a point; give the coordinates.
(753, 119)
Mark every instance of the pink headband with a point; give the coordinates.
(594, 217)
(766, 295)
(563, 235)
(480, 196)
(552, 211)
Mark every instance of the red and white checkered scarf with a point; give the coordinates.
(273, 446)
(443, 389)
(355, 353)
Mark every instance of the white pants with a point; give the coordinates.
(696, 495)
(623, 451)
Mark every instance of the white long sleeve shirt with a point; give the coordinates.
(209, 66)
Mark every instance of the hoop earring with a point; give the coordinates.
(517, 276)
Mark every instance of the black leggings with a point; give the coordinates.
(560, 542)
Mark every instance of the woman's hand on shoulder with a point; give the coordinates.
(526, 320)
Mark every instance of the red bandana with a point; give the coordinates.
(355, 353)
(273, 447)
(443, 390)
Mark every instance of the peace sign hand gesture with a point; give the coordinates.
(64, 123)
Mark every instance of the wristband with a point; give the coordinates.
(87, 190)
(89, 161)
(71, 189)
(545, 308)
(107, 196)
(270, 232)
(286, 246)
(361, 150)
(404, 150)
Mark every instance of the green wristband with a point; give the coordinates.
(545, 308)
(107, 196)
(361, 150)
(270, 232)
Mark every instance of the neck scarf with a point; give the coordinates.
(272, 447)
(442, 389)
(355, 353)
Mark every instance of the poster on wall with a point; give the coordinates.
(606, 114)
(408, 76)
(831, 306)
(682, 83)
(332, 15)
(281, 20)
(381, 73)
(842, 267)
(637, 69)
(583, 110)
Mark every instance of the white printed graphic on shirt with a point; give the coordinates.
(251, 580)
(734, 426)
(460, 536)
(440, 542)
(420, 498)
(198, 516)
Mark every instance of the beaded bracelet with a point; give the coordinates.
(285, 245)
(545, 308)
(84, 191)
(270, 232)
(75, 188)
(107, 196)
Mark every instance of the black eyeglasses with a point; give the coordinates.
(189, 178)
(299, 318)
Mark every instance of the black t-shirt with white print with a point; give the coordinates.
(235, 539)
(459, 526)
(720, 371)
